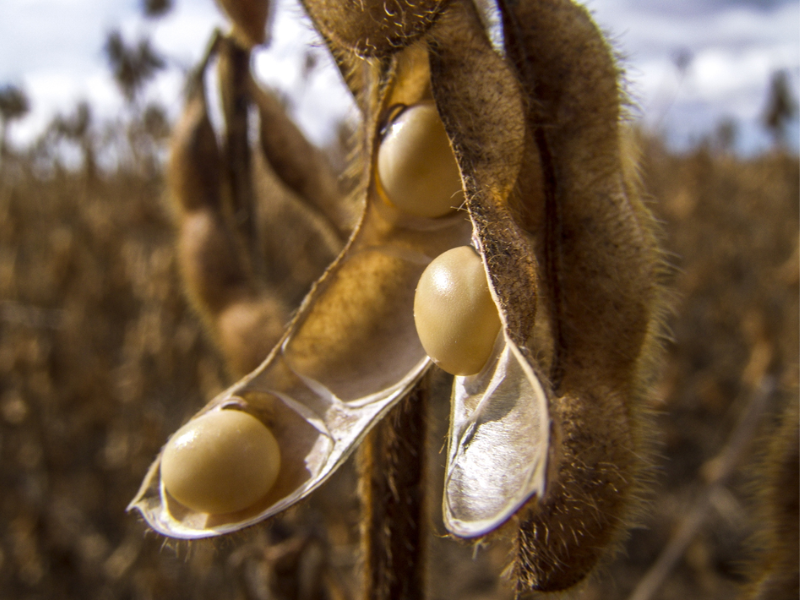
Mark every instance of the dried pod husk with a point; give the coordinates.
(249, 19)
(499, 425)
(245, 323)
(600, 268)
(297, 162)
(350, 353)
(373, 27)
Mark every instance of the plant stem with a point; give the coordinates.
(237, 156)
(717, 473)
(392, 489)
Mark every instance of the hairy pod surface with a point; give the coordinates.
(545, 440)
(373, 27)
(601, 270)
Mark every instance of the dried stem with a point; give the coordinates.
(234, 84)
(717, 471)
(392, 488)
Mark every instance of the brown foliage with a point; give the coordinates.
(100, 359)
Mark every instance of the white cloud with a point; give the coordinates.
(183, 34)
(54, 49)
(734, 46)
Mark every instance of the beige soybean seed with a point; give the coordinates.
(416, 165)
(456, 318)
(220, 462)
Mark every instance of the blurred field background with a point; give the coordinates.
(101, 359)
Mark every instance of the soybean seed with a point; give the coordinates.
(221, 462)
(416, 166)
(457, 320)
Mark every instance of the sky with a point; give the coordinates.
(53, 49)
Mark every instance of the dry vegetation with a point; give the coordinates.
(101, 359)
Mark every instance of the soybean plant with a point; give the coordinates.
(502, 237)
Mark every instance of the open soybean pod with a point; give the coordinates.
(545, 441)
(597, 270)
(551, 431)
(349, 355)
(499, 427)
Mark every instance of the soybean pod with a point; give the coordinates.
(503, 238)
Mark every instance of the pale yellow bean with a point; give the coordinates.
(416, 166)
(221, 462)
(456, 317)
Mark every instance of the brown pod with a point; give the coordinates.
(249, 18)
(570, 225)
(244, 323)
(194, 172)
(297, 162)
(205, 249)
(373, 27)
(601, 267)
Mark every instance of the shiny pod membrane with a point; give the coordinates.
(350, 354)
